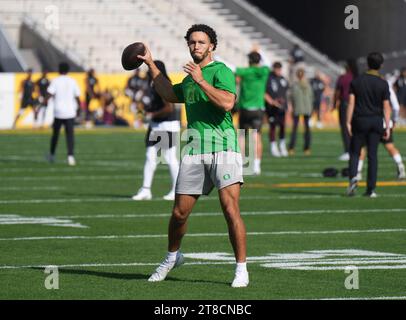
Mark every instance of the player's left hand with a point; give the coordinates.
(349, 129)
(194, 70)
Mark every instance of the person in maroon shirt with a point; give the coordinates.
(341, 97)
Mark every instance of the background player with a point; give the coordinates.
(27, 99)
(389, 143)
(161, 132)
(251, 103)
(276, 106)
(65, 93)
(42, 86)
(318, 87)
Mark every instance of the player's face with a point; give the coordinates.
(199, 46)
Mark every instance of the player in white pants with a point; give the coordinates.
(161, 136)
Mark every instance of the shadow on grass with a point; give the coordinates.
(127, 276)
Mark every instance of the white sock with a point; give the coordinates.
(241, 267)
(257, 163)
(274, 145)
(282, 143)
(171, 256)
(360, 165)
(149, 167)
(173, 163)
(398, 159)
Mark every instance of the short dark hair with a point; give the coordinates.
(277, 65)
(254, 57)
(203, 28)
(375, 60)
(64, 68)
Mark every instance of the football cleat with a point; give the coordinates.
(241, 280)
(143, 194)
(162, 271)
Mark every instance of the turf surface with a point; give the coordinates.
(106, 245)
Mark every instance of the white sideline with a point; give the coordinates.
(219, 234)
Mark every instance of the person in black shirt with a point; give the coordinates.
(137, 88)
(276, 106)
(161, 136)
(92, 92)
(400, 89)
(27, 99)
(318, 87)
(368, 105)
(42, 85)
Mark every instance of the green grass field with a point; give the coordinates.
(300, 239)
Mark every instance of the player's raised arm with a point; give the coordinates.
(162, 85)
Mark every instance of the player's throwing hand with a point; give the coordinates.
(194, 70)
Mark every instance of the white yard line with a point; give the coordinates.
(218, 213)
(74, 200)
(219, 234)
(25, 188)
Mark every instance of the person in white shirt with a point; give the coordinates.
(65, 94)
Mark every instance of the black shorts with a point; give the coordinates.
(251, 119)
(166, 139)
(276, 116)
(30, 102)
(316, 105)
(390, 140)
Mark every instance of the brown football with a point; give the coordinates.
(129, 58)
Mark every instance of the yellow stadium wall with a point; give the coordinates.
(113, 82)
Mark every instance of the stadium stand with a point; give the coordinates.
(94, 32)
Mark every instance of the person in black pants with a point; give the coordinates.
(368, 104)
(65, 94)
(340, 103)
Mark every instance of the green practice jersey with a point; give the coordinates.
(210, 129)
(253, 85)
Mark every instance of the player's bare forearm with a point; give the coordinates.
(387, 110)
(162, 85)
(350, 112)
(271, 101)
(222, 99)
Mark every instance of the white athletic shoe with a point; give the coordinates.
(170, 196)
(257, 170)
(241, 280)
(344, 157)
(371, 195)
(401, 172)
(283, 150)
(71, 161)
(143, 194)
(275, 152)
(162, 271)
